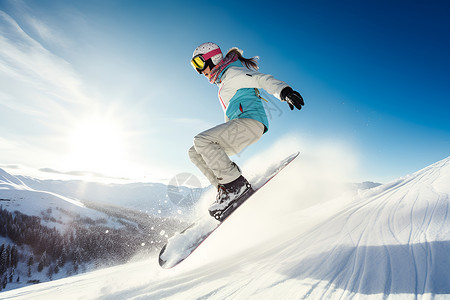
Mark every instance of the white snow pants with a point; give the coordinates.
(212, 148)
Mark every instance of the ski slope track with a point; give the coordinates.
(388, 242)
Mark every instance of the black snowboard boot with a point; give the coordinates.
(227, 194)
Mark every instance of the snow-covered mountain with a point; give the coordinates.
(388, 242)
(151, 198)
(16, 195)
(45, 235)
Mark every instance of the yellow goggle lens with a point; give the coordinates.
(198, 63)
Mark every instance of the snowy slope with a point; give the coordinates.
(16, 195)
(389, 242)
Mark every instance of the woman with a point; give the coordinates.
(245, 118)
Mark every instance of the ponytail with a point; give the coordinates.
(250, 63)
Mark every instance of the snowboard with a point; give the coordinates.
(184, 243)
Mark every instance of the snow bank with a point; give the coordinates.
(390, 242)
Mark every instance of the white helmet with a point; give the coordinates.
(210, 53)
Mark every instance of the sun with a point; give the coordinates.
(97, 145)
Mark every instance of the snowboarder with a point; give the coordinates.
(245, 118)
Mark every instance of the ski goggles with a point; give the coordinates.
(199, 61)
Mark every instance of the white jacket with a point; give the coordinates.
(236, 91)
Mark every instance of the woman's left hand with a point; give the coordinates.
(293, 98)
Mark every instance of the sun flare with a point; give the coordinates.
(97, 145)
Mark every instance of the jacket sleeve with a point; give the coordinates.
(246, 78)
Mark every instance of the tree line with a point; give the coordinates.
(84, 241)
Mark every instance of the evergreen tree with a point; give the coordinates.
(30, 263)
(40, 266)
(50, 272)
(63, 257)
(45, 260)
(2, 259)
(76, 259)
(8, 256)
(14, 256)
(11, 275)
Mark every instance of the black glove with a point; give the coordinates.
(293, 98)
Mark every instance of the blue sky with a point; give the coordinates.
(106, 86)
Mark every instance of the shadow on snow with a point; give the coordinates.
(389, 269)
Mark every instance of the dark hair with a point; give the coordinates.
(250, 63)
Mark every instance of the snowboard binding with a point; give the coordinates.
(222, 214)
(228, 196)
(218, 214)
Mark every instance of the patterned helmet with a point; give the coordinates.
(209, 53)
